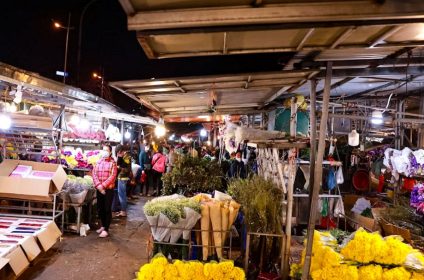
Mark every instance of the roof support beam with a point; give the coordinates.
(385, 62)
(367, 72)
(146, 103)
(385, 35)
(393, 83)
(342, 37)
(304, 39)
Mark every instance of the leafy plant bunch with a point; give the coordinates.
(192, 175)
(261, 202)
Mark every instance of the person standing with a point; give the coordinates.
(158, 168)
(124, 175)
(104, 176)
(145, 161)
(237, 168)
(171, 159)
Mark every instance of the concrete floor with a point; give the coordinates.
(117, 257)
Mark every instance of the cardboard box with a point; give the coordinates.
(370, 224)
(29, 188)
(49, 236)
(17, 260)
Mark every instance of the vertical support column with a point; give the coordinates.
(317, 172)
(61, 127)
(289, 214)
(313, 135)
(398, 128)
(122, 131)
(293, 117)
(420, 138)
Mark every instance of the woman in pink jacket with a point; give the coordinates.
(158, 168)
(104, 176)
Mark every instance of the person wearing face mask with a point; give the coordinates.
(237, 168)
(104, 176)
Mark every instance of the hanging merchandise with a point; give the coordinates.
(353, 138)
(331, 181)
(339, 176)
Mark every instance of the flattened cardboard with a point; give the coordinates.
(48, 236)
(31, 248)
(3, 263)
(34, 189)
(30, 121)
(17, 260)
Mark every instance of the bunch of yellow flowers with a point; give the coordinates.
(365, 256)
(160, 268)
(371, 247)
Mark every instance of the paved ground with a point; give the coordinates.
(92, 258)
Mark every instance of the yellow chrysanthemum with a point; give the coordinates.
(371, 272)
(397, 273)
(417, 276)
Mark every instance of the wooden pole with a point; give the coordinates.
(290, 186)
(313, 136)
(318, 172)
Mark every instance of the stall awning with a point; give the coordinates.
(226, 94)
(338, 29)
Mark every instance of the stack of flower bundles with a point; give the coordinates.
(362, 256)
(159, 268)
(218, 216)
(171, 217)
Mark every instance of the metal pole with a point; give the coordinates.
(68, 27)
(293, 117)
(80, 40)
(318, 172)
(122, 132)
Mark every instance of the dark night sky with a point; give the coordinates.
(28, 41)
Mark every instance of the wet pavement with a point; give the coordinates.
(117, 257)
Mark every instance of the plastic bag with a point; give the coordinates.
(331, 182)
(339, 210)
(339, 176)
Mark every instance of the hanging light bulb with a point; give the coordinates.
(127, 134)
(160, 130)
(75, 119)
(84, 125)
(5, 122)
(203, 133)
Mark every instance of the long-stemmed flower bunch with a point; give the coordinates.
(417, 198)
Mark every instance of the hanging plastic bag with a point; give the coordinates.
(324, 210)
(339, 210)
(339, 176)
(331, 181)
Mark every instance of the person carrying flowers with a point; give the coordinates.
(104, 175)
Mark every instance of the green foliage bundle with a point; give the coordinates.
(191, 175)
(261, 201)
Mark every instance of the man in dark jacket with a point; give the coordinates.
(237, 168)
